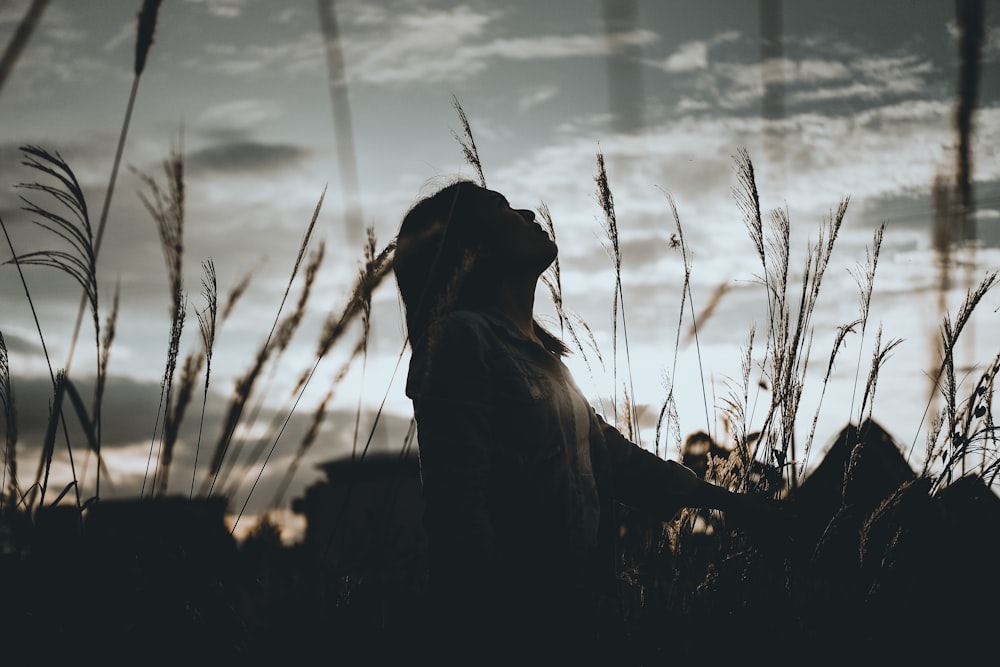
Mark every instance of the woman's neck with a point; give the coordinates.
(517, 302)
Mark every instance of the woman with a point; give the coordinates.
(520, 474)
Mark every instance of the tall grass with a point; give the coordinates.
(282, 338)
(166, 206)
(569, 321)
(962, 427)
(65, 216)
(468, 142)
(10, 490)
(373, 272)
(145, 31)
(789, 334)
(628, 419)
(207, 321)
(244, 385)
(668, 411)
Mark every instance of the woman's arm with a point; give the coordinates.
(647, 482)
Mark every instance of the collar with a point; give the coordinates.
(503, 325)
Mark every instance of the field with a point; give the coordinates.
(874, 559)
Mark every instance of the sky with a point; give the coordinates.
(852, 101)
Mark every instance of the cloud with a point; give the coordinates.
(297, 55)
(246, 156)
(692, 56)
(536, 96)
(130, 446)
(48, 65)
(384, 47)
(702, 80)
(16, 343)
(236, 117)
(125, 35)
(288, 14)
(223, 9)
(453, 45)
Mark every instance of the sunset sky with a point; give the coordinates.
(831, 100)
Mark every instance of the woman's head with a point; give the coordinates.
(457, 245)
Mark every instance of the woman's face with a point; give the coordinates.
(512, 236)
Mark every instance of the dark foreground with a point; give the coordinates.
(879, 565)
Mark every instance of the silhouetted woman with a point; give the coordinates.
(519, 472)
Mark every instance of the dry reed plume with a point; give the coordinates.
(10, 490)
(66, 218)
(207, 324)
(244, 385)
(166, 207)
(145, 30)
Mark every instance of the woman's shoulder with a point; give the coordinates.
(470, 317)
(466, 322)
(461, 341)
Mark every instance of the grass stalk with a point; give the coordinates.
(668, 410)
(69, 221)
(371, 247)
(865, 285)
(607, 202)
(207, 321)
(282, 338)
(146, 28)
(244, 385)
(468, 142)
(955, 442)
(166, 205)
(333, 329)
(315, 424)
(568, 321)
(9, 411)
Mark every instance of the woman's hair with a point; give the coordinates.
(435, 262)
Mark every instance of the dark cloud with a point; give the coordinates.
(129, 408)
(17, 344)
(246, 157)
(915, 210)
(10, 163)
(129, 415)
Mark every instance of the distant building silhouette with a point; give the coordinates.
(366, 517)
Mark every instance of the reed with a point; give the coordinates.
(282, 338)
(207, 321)
(371, 248)
(965, 425)
(375, 269)
(166, 206)
(607, 202)
(66, 217)
(668, 418)
(468, 141)
(789, 334)
(315, 424)
(864, 277)
(569, 321)
(10, 490)
(145, 31)
(244, 385)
